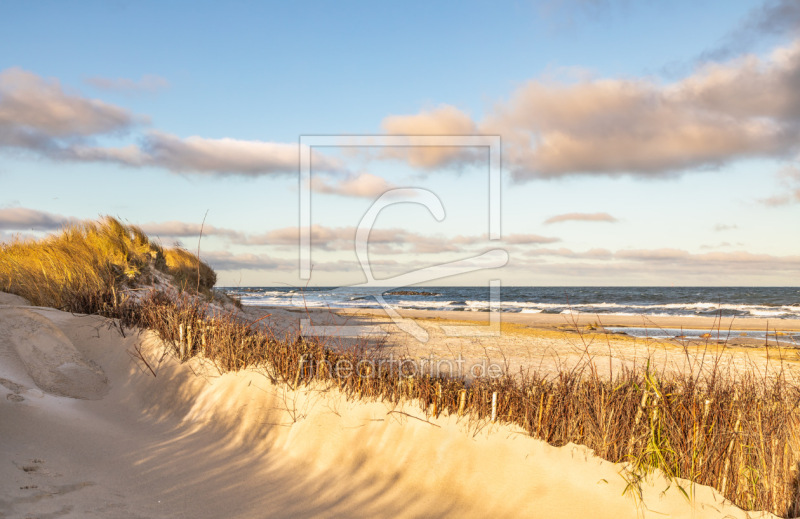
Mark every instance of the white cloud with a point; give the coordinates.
(444, 120)
(723, 112)
(37, 114)
(771, 18)
(221, 156)
(654, 266)
(725, 227)
(581, 217)
(387, 241)
(176, 229)
(364, 185)
(199, 155)
(224, 260)
(598, 253)
(511, 239)
(23, 219)
(789, 181)
(749, 107)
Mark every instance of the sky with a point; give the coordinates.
(641, 142)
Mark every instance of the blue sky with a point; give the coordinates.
(662, 136)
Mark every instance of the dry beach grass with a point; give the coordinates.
(731, 429)
(88, 266)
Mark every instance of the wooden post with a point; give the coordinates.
(180, 341)
(299, 371)
(203, 339)
(189, 340)
(494, 406)
(462, 401)
(437, 400)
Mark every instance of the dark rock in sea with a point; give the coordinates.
(409, 293)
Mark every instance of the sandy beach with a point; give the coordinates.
(190, 442)
(546, 342)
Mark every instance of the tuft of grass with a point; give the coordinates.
(188, 271)
(86, 267)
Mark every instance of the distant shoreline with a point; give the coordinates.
(560, 321)
(615, 306)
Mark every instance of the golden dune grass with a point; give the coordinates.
(83, 267)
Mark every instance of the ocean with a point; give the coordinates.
(739, 302)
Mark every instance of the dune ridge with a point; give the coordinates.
(190, 441)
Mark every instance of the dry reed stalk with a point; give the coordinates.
(541, 410)
(777, 493)
(729, 450)
(639, 412)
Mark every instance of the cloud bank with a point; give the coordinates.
(224, 260)
(388, 241)
(745, 107)
(23, 219)
(770, 19)
(208, 157)
(37, 115)
(364, 185)
(177, 229)
(443, 120)
(789, 181)
(748, 107)
(581, 217)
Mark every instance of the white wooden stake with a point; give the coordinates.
(182, 344)
(299, 371)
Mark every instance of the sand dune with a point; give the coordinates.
(87, 431)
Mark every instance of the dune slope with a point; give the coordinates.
(120, 442)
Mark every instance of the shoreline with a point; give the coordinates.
(552, 321)
(550, 343)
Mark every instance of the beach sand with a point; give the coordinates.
(547, 342)
(86, 430)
